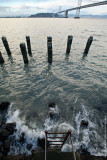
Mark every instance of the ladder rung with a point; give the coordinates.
(55, 141)
(58, 133)
(55, 137)
(55, 144)
(52, 148)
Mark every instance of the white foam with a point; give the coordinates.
(83, 136)
(87, 133)
(67, 148)
(32, 134)
(52, 123)
(65, 127)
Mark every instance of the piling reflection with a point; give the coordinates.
(3, 70)
(10, 58)
(84, 56)
(66, 57)
(26, 68)
(48, 71)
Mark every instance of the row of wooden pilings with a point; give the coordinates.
(49, 48)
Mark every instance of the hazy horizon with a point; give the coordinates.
(28, 7)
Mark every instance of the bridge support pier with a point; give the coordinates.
(66, 14)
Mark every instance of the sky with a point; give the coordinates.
(29, 7)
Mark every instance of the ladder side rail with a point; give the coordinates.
(45, 144)
(72, 146)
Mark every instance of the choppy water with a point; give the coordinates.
(78, 86)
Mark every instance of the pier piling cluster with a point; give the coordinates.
(25, 50)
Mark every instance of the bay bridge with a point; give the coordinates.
(81, 7)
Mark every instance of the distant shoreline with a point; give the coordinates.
(56, 17)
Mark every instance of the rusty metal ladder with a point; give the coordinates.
(52, 141)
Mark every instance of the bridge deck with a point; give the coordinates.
(86, 6)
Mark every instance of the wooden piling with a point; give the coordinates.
(89, 42)
(50, 52)
(49, 48)
(29, 45)
(6, 45)
(24, 52)
(1, 59)
(69, 43)
(49, 39)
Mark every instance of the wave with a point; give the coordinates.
(86, 137)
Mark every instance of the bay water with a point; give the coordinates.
(77, 84)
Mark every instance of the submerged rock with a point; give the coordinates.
(84, 123)
(29, 146)
(4, 134)
(22, 137)
(41, 142)
(54, 112)
(52, 115)
(104, 124)
(4, 105)
(83, 150)
(2, 118)
(6, 147)
(52, 104)
(11, 127)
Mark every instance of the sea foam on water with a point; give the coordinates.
(80, 136)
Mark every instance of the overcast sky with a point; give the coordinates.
(28, 7)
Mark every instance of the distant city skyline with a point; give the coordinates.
(28, 7)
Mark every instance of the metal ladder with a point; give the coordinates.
(52, 141)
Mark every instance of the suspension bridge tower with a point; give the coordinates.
(78, 10)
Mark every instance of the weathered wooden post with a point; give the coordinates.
(69, 43)
(5, 42)
(89, 42)
(49, 48)
(1, 59)
(24, 52)
(29, 45)
(49, 39)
